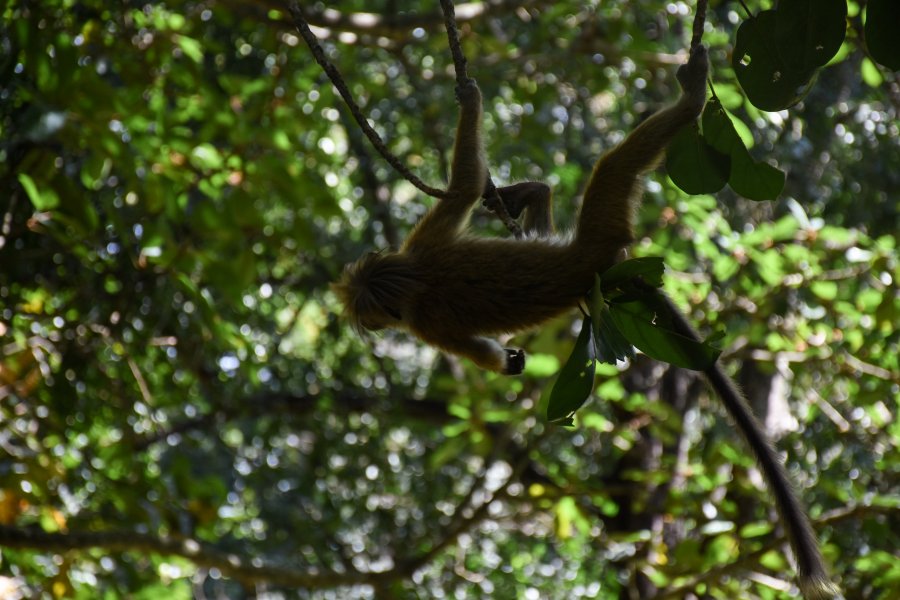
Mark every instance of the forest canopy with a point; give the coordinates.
(184, 411)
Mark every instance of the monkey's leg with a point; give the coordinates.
(536, 199)
(610, 200)
(469, 169)
(468, 173)
(484, 352)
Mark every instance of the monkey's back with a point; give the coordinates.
(478, 286)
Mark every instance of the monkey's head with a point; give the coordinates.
(376, 290)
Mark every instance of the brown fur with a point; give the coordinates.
(451, 288)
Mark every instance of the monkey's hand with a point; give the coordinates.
(515, 361)
(468, 95)
(692, 77)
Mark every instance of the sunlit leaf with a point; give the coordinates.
(191, 48)
(42, 200)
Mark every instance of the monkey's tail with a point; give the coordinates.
(812, 573)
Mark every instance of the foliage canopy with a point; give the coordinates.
(182, 412)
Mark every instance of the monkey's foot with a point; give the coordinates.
(468, 93)
(515, 361)
(692, 76)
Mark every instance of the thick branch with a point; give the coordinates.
(376, 24)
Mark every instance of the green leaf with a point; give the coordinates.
(645, 322)
(649, 268)
(576, 379)
(752, 179)
(870, 73)
(191, 48)
(810, 32)
(206, 156)
(609, 345)
(767, 79)
(694, 165)
(718, 130)
(882, 18)
(749, 178)
(826, 290)
(41, 200)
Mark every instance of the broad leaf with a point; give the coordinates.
(768, 80)
(610, 346)
(576, 379)
(750, 178)
(694, 165)
(645, 324)
(882, 21)
(753, 179)
(810, 32)
(649, 268)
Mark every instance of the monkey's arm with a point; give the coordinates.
(468, 172)
(484, 352)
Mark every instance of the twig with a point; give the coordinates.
(699, 21)
(335, 76)
(459, 59)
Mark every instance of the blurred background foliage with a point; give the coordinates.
(182, 411)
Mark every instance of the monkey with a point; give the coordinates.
(454, 290)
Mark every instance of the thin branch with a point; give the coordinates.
(459, 59)
(335, 76)
(699, 21)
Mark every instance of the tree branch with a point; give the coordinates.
(338, 81)
(399, 25)
(200, 553)
(699, 21)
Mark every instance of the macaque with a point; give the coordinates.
(455, 290)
